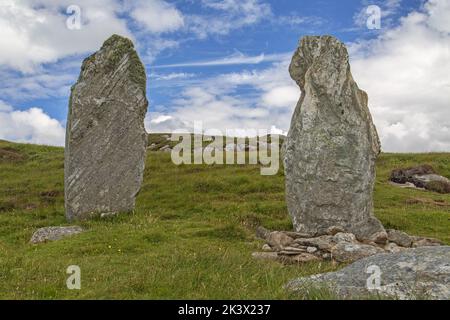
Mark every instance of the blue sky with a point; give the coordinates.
(225, 62)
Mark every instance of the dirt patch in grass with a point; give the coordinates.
(7, 206)
(438, 186)
(155, 237)
(230, 233)
(8, 154)
(250, 221)
(439, 203)
(50, 196)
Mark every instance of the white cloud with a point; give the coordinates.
(438, 11)
(171, 76)
(405, 72)
(234, 59)
(157, 16)
(229, 15)
(161, 119)
(157, 45)
(4, 107)
(54, 83)
(388, 9)
(33, 32)
(218, 103)
(282, 97)
(30, 126)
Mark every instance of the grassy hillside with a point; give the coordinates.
(191, 236)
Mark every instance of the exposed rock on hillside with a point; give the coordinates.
(411, 274)
(423, 176)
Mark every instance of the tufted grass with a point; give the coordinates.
(190, 237)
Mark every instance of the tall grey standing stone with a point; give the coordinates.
(106, 139)
(332, 144)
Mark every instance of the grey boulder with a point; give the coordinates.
(54, 233)
(422, 273)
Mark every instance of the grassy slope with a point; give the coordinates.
(191, 235)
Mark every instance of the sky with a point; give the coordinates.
(225, 62)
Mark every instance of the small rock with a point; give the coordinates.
(296, 235)
(54, 233)
(344, 237)
(425, 242)
(379, 237)
(326, 256)
(304, 257)
(291, 251)
(311, 249)
(393, 248)
(265, 256)
(152, 146)
(334, 230)
(262, 233)
(166, 148)
(278, 240)
(105, 215)
(399, 237)
(349, 252)
(323, 242)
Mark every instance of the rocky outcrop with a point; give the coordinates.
(54, 233)
(423, 176)
(410, 274)
(336, 245)
(106, 139)
(332, 144)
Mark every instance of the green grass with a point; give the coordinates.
(190, 237)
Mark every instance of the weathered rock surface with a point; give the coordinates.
(349, 252)
(423, 177)
(399, 237)
(293, 247)
(332, 144)
(106, 139)
(54, 233)
(425, 242)
(410, 274)
(278, 240)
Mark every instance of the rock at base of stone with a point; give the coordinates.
(54, 233)
(341, 247)
(411, 274)
(400, 238)
(278, 240)
(350, 252)
(273, 256)
(332, 145)
(106, 138)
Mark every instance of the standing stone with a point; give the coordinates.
(106, 138)
(332, 144)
